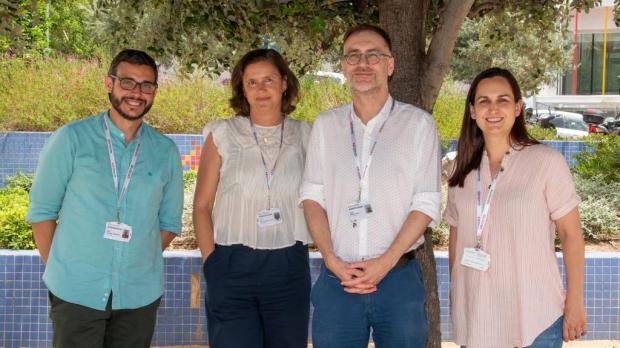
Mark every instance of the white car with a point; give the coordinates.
(329, 75)
(567, 124)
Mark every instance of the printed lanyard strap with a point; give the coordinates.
(482, 213)
(132, 165)
(268, 174)
(362, 176)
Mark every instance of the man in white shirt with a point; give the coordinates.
(371, 187)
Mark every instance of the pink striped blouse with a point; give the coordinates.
(521, 294)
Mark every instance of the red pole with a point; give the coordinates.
(575, 52)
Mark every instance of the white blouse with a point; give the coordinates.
(242, 189)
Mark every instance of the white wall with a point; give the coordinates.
(593, 21)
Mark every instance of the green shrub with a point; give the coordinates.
(189, 180)
(318, 97)
(41, 94)
(19, 181)
(448, 113)
(185, 106)
(603, 161)
(599, 208)
(540, 133)
(15, 232)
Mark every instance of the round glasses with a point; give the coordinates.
(129, 84)
(371, 58)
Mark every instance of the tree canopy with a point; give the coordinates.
(528, 36)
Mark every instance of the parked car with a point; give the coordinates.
(335, 77)
(566, 124)
(595, 120)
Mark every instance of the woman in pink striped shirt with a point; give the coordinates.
(507, 195)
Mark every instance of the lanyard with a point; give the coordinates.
(482, 213)
(362, 176)
(268, 173)
(132, 165)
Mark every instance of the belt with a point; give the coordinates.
(404, 260)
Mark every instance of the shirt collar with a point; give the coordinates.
(115, 132)
(379, 118)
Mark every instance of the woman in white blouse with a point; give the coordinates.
(251, 233)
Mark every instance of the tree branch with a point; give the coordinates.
(483, 8)
(439, 53)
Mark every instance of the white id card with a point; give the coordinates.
(476, 258)
(117, 231)
(359, 211)
(269, 217)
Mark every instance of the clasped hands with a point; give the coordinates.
(360, 277)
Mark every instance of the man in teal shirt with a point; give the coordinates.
(107, 198)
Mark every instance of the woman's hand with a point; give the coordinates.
(575, 325)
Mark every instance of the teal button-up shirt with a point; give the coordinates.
(74, 185)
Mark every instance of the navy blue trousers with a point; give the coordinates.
(258, 298)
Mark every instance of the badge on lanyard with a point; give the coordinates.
(116, 230)
(270, 216)
(359, 211)
(476, 258)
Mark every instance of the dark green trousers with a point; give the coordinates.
(77, 326)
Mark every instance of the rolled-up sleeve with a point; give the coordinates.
(560, 191)
(426, 196)
(312, 184)
(171, 208)
(53, 173)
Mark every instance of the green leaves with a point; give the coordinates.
(213, 35)
(517, 41)
(15, 232)
(603, 161)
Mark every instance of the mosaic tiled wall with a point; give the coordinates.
(19, 151)
(181, 320)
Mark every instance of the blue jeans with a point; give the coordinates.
(395, 312)
(550, 338)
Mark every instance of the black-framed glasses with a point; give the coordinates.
(129, 84)
(371, 58)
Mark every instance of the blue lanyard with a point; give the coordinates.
(132, 166)
(268, 174)
(363, 175)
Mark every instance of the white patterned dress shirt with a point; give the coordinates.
(404, 175)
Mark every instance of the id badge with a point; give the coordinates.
(476, 258)
(117, 231)
(359, 211)
(269, 217)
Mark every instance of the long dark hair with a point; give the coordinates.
(471, 142)
(290, 96)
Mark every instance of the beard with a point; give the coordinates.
(116, 104)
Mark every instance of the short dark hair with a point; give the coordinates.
(290, 96)
(369, 27)
(471, 142)
(133, 57)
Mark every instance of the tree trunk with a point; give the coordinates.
(405, 21)
(417, 79)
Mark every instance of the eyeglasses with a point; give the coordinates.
(129, 84)
(372, 58)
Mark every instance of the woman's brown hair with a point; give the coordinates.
(471, 143)
(289, 97)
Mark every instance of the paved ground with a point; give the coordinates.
(578, 344)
